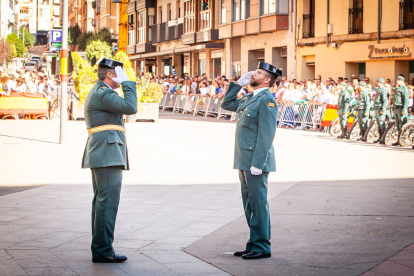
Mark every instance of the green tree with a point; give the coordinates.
(97, 49)
(29, 39)
(74, 33)
(13, 39)
(103, 35)
(82, 40)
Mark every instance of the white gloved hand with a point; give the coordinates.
(121, 75)
(245, 79)
(255, 171)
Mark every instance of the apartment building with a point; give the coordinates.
(106, 16)
(55, 14)
(212, 37)
(8, 17)
(27, 15)
(364, 37)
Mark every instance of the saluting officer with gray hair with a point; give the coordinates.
(106, 152)
(254, 155)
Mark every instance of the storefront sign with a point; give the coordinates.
(391, 52)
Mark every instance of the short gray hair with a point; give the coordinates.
(103, 71)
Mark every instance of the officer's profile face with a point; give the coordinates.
(259, 77)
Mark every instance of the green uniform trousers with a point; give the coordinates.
(380, 119)
(256, 209)
(342, 118)
(362, 119)
(400, 119)
(107, 190)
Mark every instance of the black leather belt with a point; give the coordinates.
(398, 107)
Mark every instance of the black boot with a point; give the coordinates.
(362, 135)
(398, 138)
(380, 136)
(345, 135)
(342, 135)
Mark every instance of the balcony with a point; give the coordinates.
(130, 49)
(308, 27)
(355, 21)
(144, 48)
(187, 39)
(131, 7)
(158, 33)
(205, 20)
(175, 29)
(142, 4)
(406, 15)
(207, 35)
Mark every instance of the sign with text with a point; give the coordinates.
(55, 36)
(390, 52)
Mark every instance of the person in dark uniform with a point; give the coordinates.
(254, 155)
(363, 107)
(380, 108)
(344, 98)
(401, 100)
(106, 152)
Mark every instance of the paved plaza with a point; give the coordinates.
(337, 207)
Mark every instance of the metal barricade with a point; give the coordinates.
(223, 113)
(213, 108)
(171, 98)
(180, 103)
(190, 104)
(163, 99)
(300, 115)
(201, 106)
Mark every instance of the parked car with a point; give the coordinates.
(30, 66)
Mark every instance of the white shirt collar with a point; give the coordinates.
(107, 85)
(257, 91)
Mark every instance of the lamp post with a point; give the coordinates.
(64, 75)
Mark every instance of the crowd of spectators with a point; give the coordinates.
(285, 91)
(34, 82)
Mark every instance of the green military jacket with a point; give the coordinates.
(255, 129)
(363, 101)
(401, 97)
(381, 99)
(103, 106)
(344, 100)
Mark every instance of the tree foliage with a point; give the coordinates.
(29, 39)
(103, 35)
(97, 49)
(74, 33)
(84, 76)
(6, 51)
(13, 39)
(82, 40)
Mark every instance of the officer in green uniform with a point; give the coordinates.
(106, 152)
(400, 99)
(254, 155)
(380, 107)
(363, 107)
(343, 107)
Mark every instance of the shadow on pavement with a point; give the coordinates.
(5, 190)
(322, 228)
(24, 138)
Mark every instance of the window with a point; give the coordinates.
(131, 29)
(189, 16)
(24, 10)
(141, 26)
(356, 19)
(239, 9)
(406, 14)
(169, 12)
(159, 15)
(205, 15)
(269, 6)
(223, 12)
(178, 9)
(275, 6)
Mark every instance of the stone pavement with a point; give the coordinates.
(181, 189)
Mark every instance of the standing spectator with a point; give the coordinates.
(194, 86)
(174, 72)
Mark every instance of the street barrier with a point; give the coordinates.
(296, 115)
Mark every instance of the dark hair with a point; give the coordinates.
(103, 71)
(273, 78)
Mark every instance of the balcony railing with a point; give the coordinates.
(355, 21)
(189, 24)
(406, 14)
(205, 20)
(308, 25)
(131, 37)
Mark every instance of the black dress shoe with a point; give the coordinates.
(254, 255)
(241, 253)
(114, 258)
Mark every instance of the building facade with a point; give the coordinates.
(8, 17)
(361, 37)
(212, 37)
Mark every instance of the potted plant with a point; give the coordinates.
(149, 98)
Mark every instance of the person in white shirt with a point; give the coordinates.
(21, 86)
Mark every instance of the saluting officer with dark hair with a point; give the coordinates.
(254, 155)
(106, 152)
